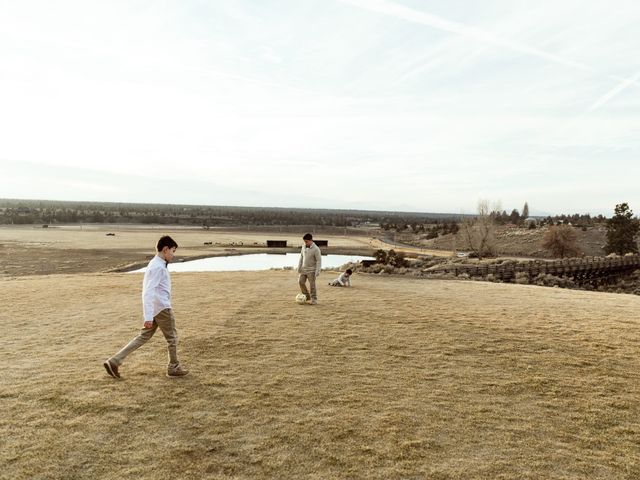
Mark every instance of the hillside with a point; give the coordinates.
(395, 378)
(521, 242)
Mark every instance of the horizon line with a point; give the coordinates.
(421, 212)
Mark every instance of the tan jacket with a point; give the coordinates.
(310, 260)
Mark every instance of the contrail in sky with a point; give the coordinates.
(613, 92)
(393, 9)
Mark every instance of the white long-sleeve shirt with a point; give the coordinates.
(310, 260)
(344, 279)
(156, 288)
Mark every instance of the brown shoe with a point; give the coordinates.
(111, 368)
(177, 371)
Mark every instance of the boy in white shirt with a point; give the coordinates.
(344, 280)
(156, 306)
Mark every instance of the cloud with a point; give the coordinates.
(237, 101)
(400, 11)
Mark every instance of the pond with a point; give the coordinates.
(255, 261)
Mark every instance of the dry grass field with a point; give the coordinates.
(395, 378)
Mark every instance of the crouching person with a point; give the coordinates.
(344, 280)
(156, 306)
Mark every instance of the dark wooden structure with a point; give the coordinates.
(276, 243)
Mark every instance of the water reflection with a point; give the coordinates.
(256, 261)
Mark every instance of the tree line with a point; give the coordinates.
(51, 212)
(622, 233)
(561, 238)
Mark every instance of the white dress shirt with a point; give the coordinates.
(156, 288)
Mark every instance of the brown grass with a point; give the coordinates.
(522, 242)
(395, 378)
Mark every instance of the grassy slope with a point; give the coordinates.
(396, 378)
(524, 242)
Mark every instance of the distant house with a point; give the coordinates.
(531, 222)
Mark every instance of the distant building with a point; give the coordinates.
(531, 222)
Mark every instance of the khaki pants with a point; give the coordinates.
(167, 323)
(302, 280)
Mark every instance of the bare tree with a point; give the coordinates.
(479, 233)
(561, 241)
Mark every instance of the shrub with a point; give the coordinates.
(380, 256)
(396, 259)
(548, 280)
(561, 241)
(375, 268)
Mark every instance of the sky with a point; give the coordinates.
(410, 105)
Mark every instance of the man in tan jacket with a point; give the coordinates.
(309, 268)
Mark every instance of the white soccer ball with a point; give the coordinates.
(301, 298)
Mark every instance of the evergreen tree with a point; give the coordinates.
(525, 211)
(622, 230)
(515, 216)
